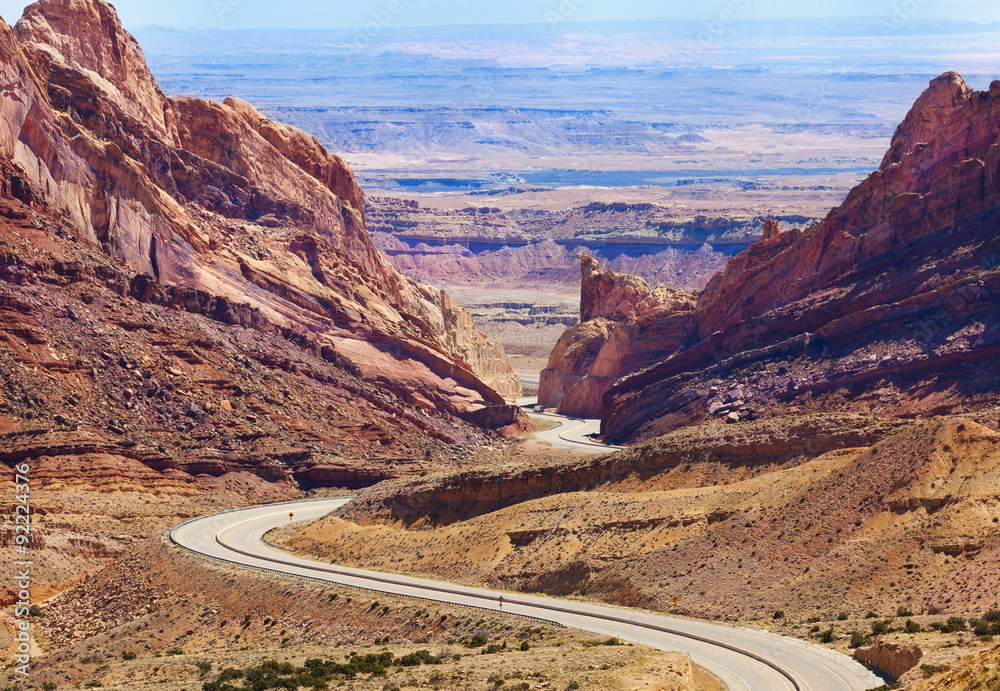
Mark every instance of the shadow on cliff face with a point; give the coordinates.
(689, 457)
(586, 579)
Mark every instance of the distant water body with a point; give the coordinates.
(596, 178)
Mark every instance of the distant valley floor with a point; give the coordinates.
(512, 259)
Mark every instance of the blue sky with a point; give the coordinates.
(353, 14)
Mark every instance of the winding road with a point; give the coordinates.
(571, 433)
(743, 659)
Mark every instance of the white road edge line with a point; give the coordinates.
(459, 590)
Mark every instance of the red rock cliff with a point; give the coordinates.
(622, 322)
(216, 197)
(889, 305)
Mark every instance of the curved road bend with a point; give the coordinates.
(572, 432)
(792, 665)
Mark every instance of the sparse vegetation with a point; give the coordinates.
(880, 626)
(315, 673)
(952, 625)
(930, 670)
(989, 625)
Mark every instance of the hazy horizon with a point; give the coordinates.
(312, 14)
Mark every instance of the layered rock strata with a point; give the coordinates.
(215, 197)
(189, 297)
(622, 322)
(888, 306)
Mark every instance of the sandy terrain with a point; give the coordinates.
(840, 532)
(160, 618)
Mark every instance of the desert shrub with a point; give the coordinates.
(930, 670)
(316, 673)
(230, 673)
(985, 627)
(421, 657)
(952, 625)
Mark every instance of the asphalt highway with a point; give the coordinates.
(571, 433)
(743, 659)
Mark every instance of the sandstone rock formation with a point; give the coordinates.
(188, 291)
(215, 197)
(974, 671)
(888, 305)
(112, 382)
(891, 659)
(771, 229)
(739, 453)
(622, 321)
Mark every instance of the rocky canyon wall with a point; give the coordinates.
(890, 305)
(623, 322)
(216, 197)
